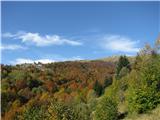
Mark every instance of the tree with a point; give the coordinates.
(106, 109)
(108, 81)
(98, 88)
(82, 111)
(33, 83)
(144, 93)
(38, 90)
(91, 99)
(124, 71)
(60, 111)
(51, 86)
(147, 50)
(122, 62)
(34, 113)
(157, 45)
(142, 100)
(7, 97)
(18, 75)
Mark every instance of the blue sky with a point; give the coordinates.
(59, 31)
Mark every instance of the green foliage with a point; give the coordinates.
(142, 100)
(82, 111)
(4, 86)
(145, 95)
(60, 111)
(18, 75)
(37, 90)
(7, 97)
(33, 83)
(124, 71)
(34, 113)
(91, 100)
(150, 72)
(108, 81)
(122, 62)
(106, 109)
(5, 70)
(157, 45)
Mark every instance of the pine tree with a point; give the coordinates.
(98, 88)
(123, 62)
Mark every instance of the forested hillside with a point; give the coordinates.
(125, 88)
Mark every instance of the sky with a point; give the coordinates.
(61, 31)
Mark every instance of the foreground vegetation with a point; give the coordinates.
(84, 90)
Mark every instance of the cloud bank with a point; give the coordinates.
(39, 40)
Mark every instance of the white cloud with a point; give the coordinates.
(24, 60)
(44, 61)
(11, 47)
(7, 35)
(39, 40)
(119, 43)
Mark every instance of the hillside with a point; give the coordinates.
(63, 80)
(113, 88)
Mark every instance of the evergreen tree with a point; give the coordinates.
(106, 109)
(143, 90)
(98, 88)
(61, 111)
(122, 62)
